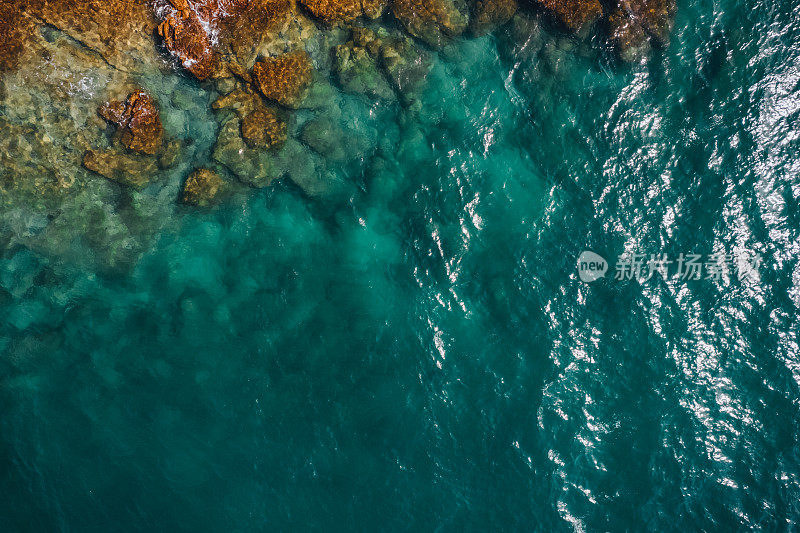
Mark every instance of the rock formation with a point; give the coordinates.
(283, 79)
(628, 36)
(358, 68)
(578, 16)
(339, 11)
(433, 21)
(202, 188)
(138, 121)
(378, 65)
(205, 34)
(487, 15)
(96, 24)
(633, 24)
(186, 38)
(263, 129)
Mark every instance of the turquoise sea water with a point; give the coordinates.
(415, 350)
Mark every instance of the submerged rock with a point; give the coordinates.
(488, 15)
(338, 11)
(263, 129)
(95, 24)
(170, 155)
(138, 121)
(578, 16)
(634, 24)
(334, 141)
(251, 166)
(378, 65)
(242, 100)
(131, 170)
(212, 37)
(357, 67)
(202, 188)
(284, 79)
(433, 21)
(657, 17)
(628, 36)
(407, 67)
(326, 138)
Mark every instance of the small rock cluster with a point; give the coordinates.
(488, 15)
(342, 11)
(380, 65)
(433, 21)
(138, 121)
(264, 74)
(138, 148)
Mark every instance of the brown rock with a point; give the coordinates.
(334, 10)
(337, 11)
(126, 169)
(242, 100)
(263, 129)
(202, 188)
(139, 122)
(170, 155)
(430, 20)
(578, 16)
(628, 37)
(656, 17)
(186, 38)
(283, 79)
(490, 14)
(374, 8)
(206, 34)
(14, 27)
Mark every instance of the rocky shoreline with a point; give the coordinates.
(78, 121)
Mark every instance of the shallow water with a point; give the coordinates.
(417, 351)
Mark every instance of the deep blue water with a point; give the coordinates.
(417, 351)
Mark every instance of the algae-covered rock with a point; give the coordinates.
(332, 11)
(210, 37)
(326, 138)
(242, 100)
(488, 15)
(170, 154)
(203, 188)
(263, 129)
(406, 67)
(656, 17)
(251, 166)
(357, 69)
(634, 24)
(433, 21)
(578, 16)
(285, 78)
(138, 120)
(338, 11)
(14, 28)
(374, 8)
(119, 32)
(131, 170)
(629, 38)
(187, 39)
